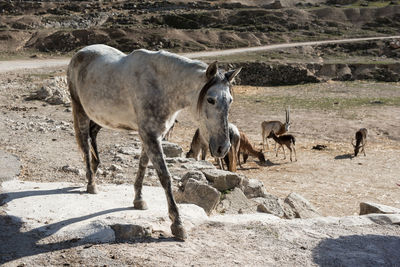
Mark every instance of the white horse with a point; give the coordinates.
(144, 91)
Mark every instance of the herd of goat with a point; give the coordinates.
(240, 144)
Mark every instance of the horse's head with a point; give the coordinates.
(213, 105)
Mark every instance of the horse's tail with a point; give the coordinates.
(78, 112)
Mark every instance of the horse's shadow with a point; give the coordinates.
(344, 156)
(22, 243)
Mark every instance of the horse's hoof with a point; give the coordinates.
(178, 232)
(140, 205)
(92, 189)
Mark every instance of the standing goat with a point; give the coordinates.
(287, 140)
(277, 127)
(246, 148)
(200, 145)
(361, 140)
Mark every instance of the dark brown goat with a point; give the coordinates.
(361, 140)
(287, 140)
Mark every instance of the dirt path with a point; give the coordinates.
(280, 46)
(12, 65)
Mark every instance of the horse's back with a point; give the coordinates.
(97, 81)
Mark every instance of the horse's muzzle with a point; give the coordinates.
(219, 151)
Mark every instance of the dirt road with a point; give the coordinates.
(11, 65)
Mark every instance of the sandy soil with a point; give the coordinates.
(42, 135)
(334, 182)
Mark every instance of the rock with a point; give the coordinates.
(68, 168)
(236, 202)
(384, 218)
(370, 207)
(171, 150)
(197, 165)
(128, 150)
(253, 188)
(200, 194)
(275, 5)
(223, 180)
(130, 232)
(196, 175)
(344, 73)
(274, 205)
(41, 94)
(301, 206)
(10, 166)
(53, 91)
(115, 167)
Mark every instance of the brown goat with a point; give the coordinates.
(247, 149)
(278, 127)
(198, 145)
(361, 140)
(287, 140)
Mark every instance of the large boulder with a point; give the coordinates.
(274, 205)
(253, 188)
(235, 202)
(370, 207)
(223, 180)
(301, 206)
(200, 194)
(54, 91)
(171, 150)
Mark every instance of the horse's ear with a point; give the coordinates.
(211, 70)
(230, 75)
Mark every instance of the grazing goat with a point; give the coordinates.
(246, 148)
(361, 140)
(278, 127)
(199, 144)
(287, 140)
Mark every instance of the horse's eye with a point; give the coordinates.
(211, 101)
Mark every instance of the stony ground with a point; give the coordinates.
(41, 134)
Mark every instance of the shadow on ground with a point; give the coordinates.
(358, 250)
(344, 156)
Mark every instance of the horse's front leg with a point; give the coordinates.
(153, 148)
(138, 202)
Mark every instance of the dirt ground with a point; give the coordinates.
(327, 114)
(334, 182)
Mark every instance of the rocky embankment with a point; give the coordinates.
(267, 74)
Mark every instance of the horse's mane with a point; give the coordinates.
(183, 65)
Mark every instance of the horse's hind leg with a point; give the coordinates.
(82, 131)
(95, 160)
(138, 202)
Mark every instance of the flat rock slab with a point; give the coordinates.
(60, 212)
(66, 211)
(370, 207)
(10, 166)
